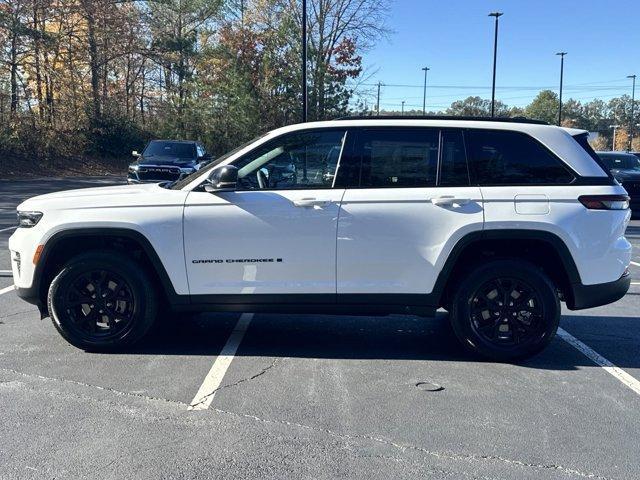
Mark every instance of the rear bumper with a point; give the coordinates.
(589, 296)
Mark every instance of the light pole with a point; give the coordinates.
(403, 108)
(497, 15)
(562, 54)
(378, 101)
(304, 61)
(615, 129)
(633, 101)
(424, 92)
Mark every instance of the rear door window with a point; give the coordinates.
(501, 157)
(397, 157)
(453, 164)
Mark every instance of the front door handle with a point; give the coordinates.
(311, 202)
(449, 200)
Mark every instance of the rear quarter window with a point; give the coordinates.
(500, 157)
(583, 140)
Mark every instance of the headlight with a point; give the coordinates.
(187, 170)
(28, 219)
(133, 168)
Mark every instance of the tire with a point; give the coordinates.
(505, 310)
(124, 313)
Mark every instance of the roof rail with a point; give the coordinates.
(445, 117)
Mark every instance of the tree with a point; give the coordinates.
(338, 29)
(544, 107)
(476, 107)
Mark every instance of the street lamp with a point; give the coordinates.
(424, 93)
(497, 15)
(378, 100)
(562, 54)
(304, 61)
(403, 101)
(633, 101)
(615, 129)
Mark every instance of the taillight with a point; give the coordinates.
(605, 202)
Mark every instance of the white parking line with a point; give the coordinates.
(7, 289)
(212, 381)
(7, 229)
(598, 359)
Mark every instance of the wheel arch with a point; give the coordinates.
(67, 243)
(541, 248)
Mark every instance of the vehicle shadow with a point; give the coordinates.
(352, 337)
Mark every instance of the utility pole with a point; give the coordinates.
(633, 101)
(378, 101)
(562, 54)
(424, 93)
(497, 15)
(403, 108)
(615, 129)
(304, 62)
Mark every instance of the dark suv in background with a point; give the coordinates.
(625, 167)
(167, 160)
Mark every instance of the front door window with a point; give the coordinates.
(299, 160)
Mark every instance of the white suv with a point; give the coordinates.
(495, 221)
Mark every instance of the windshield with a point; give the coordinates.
(170, 149)
(190, 178)
(621, 161)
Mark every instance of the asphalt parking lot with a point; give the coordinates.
(314, 396)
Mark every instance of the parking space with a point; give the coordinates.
(316, 397)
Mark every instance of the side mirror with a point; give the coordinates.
(223, 179)
(135, 153)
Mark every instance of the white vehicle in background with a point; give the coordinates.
(495, 221)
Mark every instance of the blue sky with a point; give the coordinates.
(455, 39)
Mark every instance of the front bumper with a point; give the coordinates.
(589, 296)
(31, 295)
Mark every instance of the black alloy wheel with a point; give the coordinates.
(102, 301)
(505, 310)
(100, 304)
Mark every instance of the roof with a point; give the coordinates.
(447, 117)
(575, 131)
(531, 127)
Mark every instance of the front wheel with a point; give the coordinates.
(505, 310)
(102, 301)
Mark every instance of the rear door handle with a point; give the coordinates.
(449, 200)
(311, 202)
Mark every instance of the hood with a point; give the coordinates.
(170, 161)
(98, 197)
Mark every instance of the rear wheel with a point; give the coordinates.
(102, 301)
(505, 310)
